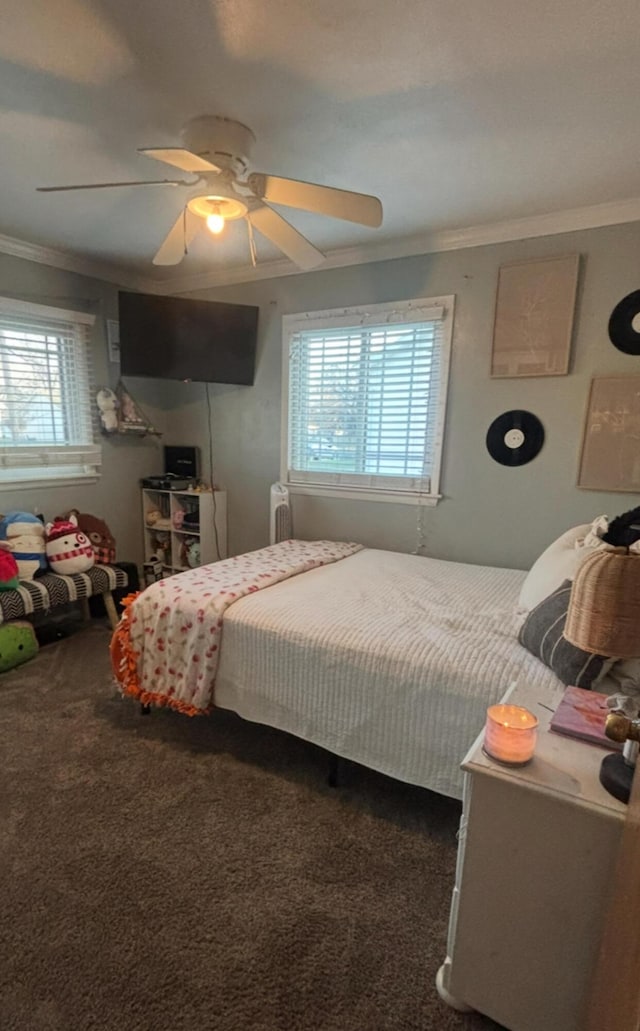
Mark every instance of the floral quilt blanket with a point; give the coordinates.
(166, 647)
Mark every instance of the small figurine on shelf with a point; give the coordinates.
(193, 552)
(108, 405)
(131, 419)
(189, 552)
(178, 518)
(161, 545)
(154, 517)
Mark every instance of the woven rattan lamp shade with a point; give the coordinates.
(604, 609)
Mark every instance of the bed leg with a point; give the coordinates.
(145, 710)
(334, 771)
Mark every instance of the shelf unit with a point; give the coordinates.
(184, 529)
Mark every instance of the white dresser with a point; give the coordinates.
(537, 849)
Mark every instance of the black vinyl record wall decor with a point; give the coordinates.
(515, 437)
(624, 324)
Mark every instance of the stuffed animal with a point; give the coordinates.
(68, 550)
(178, 518)
(161, 545)
(24, 534)
(153, 516)
(192, 548)
(108, 405)
(99, 534)
(8, 569)
(18, 644)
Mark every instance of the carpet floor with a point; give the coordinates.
(162, 873)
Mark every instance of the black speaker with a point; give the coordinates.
(182, 461)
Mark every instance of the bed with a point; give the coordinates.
(386, 659)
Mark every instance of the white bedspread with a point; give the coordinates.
(386, 659)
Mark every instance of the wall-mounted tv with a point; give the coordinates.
(178, 338)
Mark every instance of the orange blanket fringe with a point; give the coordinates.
(124, 661)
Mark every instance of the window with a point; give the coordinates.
(365, 395)
(46, 427)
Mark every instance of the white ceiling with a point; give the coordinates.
(454, 114)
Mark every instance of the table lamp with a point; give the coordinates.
(616, 770)
(604, 619)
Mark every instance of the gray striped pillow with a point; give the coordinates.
(542, 635)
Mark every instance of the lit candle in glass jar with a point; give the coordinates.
(510, 734)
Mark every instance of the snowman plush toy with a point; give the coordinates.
(68, 549)
(23, 534)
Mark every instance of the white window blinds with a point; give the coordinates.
(366, 400)
(46, 425)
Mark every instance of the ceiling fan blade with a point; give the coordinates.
(326, 200)
(279, 231)
(180, 158)
(183, 231)
(109, 186)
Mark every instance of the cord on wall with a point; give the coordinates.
(211, 482)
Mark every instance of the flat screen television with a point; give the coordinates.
(178, 338)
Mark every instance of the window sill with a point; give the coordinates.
(47, 482)
(366, 494)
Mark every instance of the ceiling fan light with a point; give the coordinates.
(206, 204)
(215, 222)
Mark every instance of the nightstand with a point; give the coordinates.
(536, 855)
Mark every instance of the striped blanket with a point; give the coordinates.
(33, 597)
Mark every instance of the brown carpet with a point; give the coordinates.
(171, 873)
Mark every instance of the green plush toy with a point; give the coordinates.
(18, 644)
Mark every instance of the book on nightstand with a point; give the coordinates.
(582, 714)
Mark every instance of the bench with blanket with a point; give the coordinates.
(40, 596)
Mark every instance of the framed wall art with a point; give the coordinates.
(535, 304)
(610, 456)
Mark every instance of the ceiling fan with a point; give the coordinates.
(217, 150)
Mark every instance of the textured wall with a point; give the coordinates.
(490, 514)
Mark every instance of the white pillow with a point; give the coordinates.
(559, 562)
(623, 679)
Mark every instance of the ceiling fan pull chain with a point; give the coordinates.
(184, 229)
(252, 245)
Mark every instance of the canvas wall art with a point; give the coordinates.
(610, 458)
(533, 323)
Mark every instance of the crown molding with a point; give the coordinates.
(569, 221)
(69, 261)
(572, 220)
